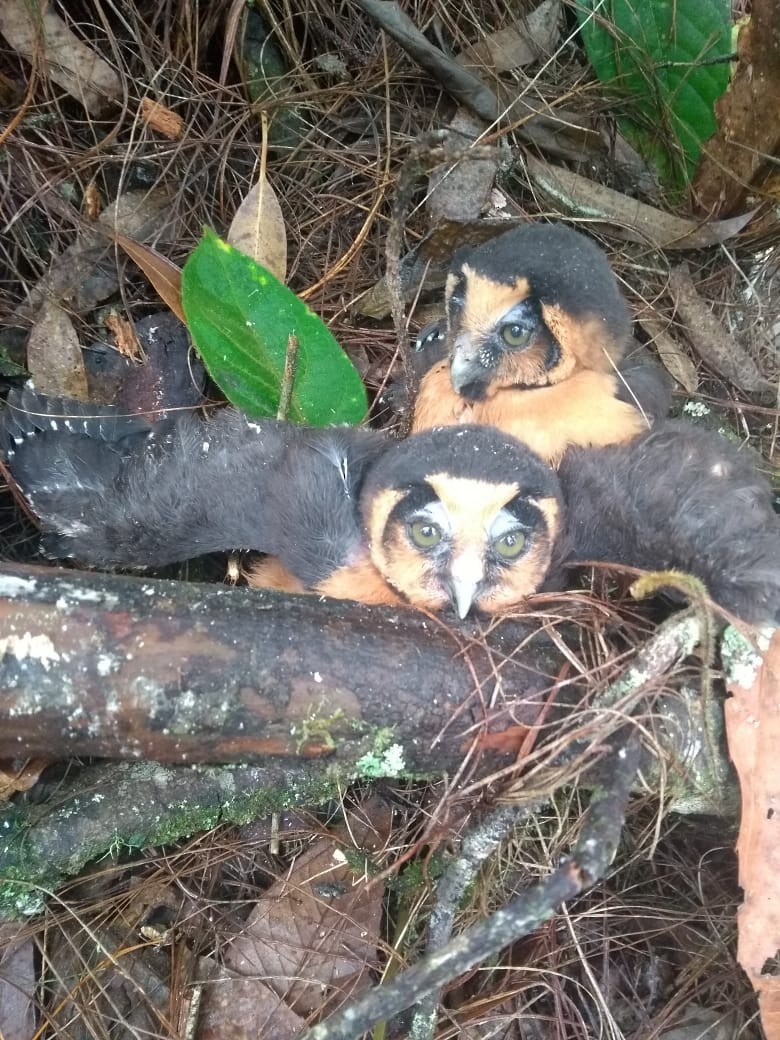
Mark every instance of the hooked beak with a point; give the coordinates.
(466, 574)
(469, 377)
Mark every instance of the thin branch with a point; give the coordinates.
(478, 845)
(594, 852)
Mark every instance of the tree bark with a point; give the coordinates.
(314, 692)
(129, 668)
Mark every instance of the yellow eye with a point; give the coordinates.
(515, 335)
(510, 545)
(424, 534)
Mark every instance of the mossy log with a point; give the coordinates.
(129, 668)
(306, 694)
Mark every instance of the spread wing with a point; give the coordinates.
(679, 497)
(114, 490)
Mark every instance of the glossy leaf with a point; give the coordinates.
(662, 56)
(241, 318)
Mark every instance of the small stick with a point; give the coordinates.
(288, 377)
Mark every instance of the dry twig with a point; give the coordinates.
(593, 853)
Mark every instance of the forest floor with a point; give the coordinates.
(345, 124)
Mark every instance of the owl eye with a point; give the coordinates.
(424, 534)
(510, 545)
(430, 334)
(515, 335)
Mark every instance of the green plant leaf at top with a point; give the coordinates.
(241, 318)
(661, 56)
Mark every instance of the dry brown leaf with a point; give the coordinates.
(317, 927)
(507, 741)
(244, 1009)
(258, 229)
(748, 128)
(83, 275)
(459, 189)
(753, 730)
(125, 339)
(626, 217)
(141, 214)
(710, 339)
(670, 353)
(161, 118)
(92, 203)
(526, 40)
(42, 37)
(164, 275)
(54, 358)
(15, 777)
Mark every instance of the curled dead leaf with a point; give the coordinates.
(164, 275)
(161, 118)
(41, 36)
(243, 1007)
(125, 339)
(317, 926)
(753, 729)
(710, 339)
(16, 776)
(82, 275)
(626, 217)
(738, 155)
(258, 229)
(92, 203)
(520, 43)
(54, 358)
(141, 214)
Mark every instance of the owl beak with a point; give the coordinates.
(469, 377)
(466, 574)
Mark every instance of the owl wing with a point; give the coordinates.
(113, 490)
(681, 498)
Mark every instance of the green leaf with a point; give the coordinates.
(662, 58)
(241, 317)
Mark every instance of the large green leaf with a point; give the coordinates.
(662, 56)
(241, 317)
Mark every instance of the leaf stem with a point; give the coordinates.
(288, 377)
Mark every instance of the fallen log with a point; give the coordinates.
(305, 695)
(129, 668)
